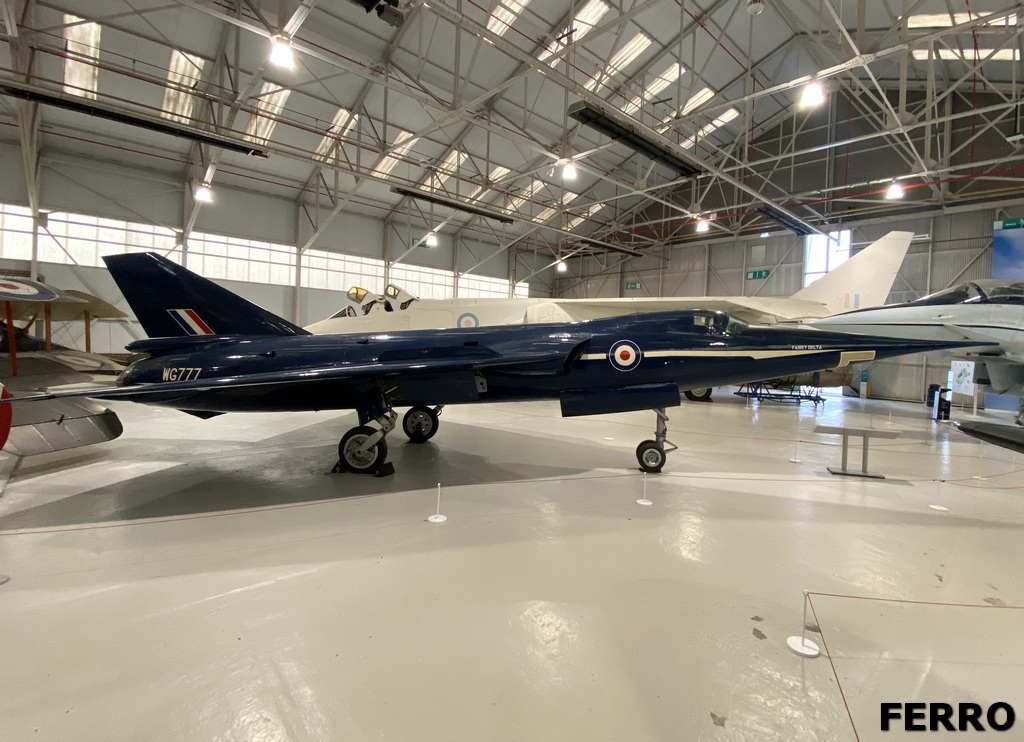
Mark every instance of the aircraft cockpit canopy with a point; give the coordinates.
(396, 298)
(359, 301)
(357, 294)
(992, 291)
(719, 323)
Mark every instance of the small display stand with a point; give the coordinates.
(864, 433)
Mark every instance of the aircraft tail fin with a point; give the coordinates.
(171, 301)
(862, 281)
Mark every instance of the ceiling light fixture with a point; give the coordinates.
(894, 192)
(764, 235)
(813, 95)
(625, 130)
(451, 204)
(703, 225)
(203, 193)
(569, 171)
(25, 91)
(281, 54)
(431, 239)
(561, 266)
(785, 219)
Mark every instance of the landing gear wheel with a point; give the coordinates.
(698, 395)
(420, 423)
(651, 456)
(362, 462)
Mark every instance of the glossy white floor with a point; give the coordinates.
(203, 580)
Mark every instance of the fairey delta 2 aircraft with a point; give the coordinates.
(989, 312)
(862, 281)
(212, 352)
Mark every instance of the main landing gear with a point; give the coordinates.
(652, 454)
(698, 395)
(420, 423)
(364, 450)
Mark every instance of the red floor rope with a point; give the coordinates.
(916, 602)
(835, 674)
(824, 643)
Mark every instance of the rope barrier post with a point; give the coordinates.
(801, 645)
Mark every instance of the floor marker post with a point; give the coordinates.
(437, 517)
(938, 498)
(643, 500)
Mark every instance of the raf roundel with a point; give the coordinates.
(625, 355)
(17, 288)
(468, 320)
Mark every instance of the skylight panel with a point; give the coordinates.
(82, 43)
(659, 83)
(577, 220)
(497, 173)
(516, 201)
(718, 123)
(403, 143)
(622, 58)
(995, 55)
(268, 106)
(552, 210)
(436, 180)
(504, 13)
(341, 125)
(697, 100)
(945, 20)
(184, 74)
(581, 25)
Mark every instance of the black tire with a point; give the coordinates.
(698, 395)
(367, 463)
(420, 424)
(651, 456)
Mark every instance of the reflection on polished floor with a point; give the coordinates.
(211, 580)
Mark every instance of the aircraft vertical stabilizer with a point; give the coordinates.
(171, 302)
(862, 281)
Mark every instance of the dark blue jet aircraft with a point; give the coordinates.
(211, 352)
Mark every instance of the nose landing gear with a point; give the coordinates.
(652, 454)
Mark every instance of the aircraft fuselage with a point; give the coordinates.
(686, 349)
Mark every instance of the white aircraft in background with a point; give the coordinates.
(988, 311)
(862, 281)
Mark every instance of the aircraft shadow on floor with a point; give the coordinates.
(295, 468)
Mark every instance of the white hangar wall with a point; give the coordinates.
(89, 185)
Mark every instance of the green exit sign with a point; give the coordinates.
(764, 273)
(633, 286)
(1009, 224)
